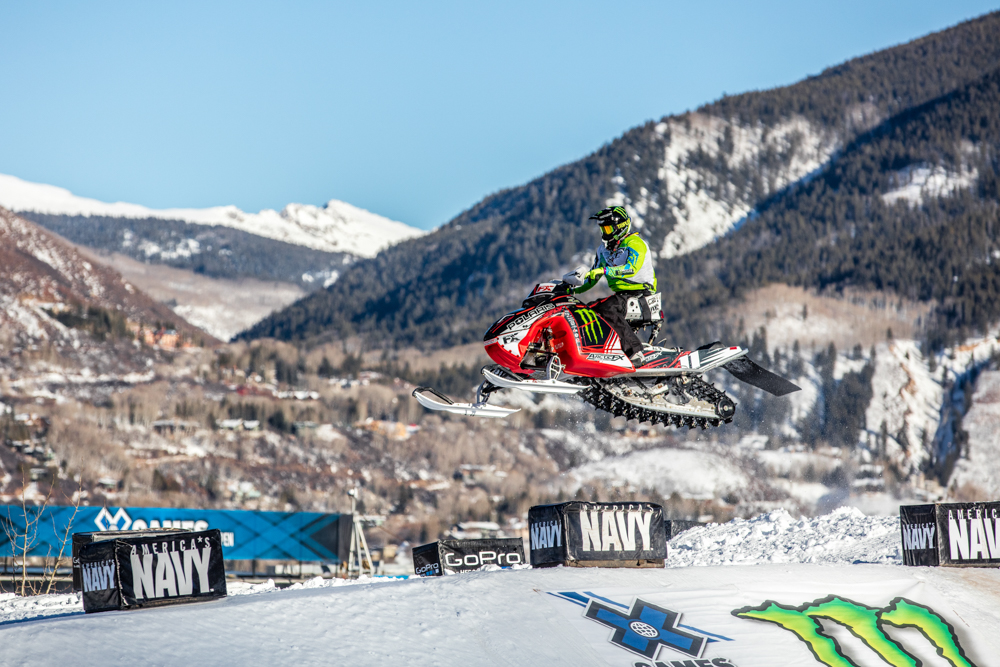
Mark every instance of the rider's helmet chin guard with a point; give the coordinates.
(615, 225)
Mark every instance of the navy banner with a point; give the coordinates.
(582, 534)
(951, 534)
(245, 535)
(145, 570)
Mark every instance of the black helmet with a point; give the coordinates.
(615, 224)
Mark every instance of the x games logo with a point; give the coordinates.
(645, 628)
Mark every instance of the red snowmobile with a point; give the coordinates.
(556, 344)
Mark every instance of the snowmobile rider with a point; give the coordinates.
(625, 263)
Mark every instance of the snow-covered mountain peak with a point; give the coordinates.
(335, 227)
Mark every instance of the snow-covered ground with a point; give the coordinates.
(538, 617)
(334, 227)
(907, 396)
(845, 536)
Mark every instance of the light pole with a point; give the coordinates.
(359, 559)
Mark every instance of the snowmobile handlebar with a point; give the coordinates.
(576, 277)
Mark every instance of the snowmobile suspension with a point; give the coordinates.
(598, 396)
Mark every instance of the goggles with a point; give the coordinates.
(608, 230)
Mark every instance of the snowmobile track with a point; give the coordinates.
(600, 397)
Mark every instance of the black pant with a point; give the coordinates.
(613, 309)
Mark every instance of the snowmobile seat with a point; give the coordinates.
(643, 310)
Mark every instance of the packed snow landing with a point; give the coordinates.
(835, 578)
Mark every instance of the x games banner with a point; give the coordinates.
(245, 535)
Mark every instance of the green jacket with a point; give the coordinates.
(628, 268)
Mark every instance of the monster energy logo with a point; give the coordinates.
(591, 326)
(866, 623)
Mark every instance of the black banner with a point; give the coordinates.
(454, 556)
(951, 534)
(918, 524)
(99, 577)
(130, 572)
(969, 534)
(630, 534)
(82, 539)
(674, 527)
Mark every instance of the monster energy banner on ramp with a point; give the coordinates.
(951, 534)
(133, 572)
(581, 534)
(903, 623)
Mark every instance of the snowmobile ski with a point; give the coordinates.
(532, 385)
(440, 402)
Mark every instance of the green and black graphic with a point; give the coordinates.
(590, 325)
(867, 624)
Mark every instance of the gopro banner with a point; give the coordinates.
(453, 556)
(132, 572)
(246, 535)
(585, 534)
(951, 534)
(793, 621)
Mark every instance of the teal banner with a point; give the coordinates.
(246, 535)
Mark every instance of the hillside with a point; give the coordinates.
(48, 288)
(689, 179)
(220, 306)
(908, 208)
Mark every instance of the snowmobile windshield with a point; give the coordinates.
(537, 297)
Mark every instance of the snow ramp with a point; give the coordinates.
(718, 616)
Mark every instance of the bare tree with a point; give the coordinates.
(64, 538)
(23, 541)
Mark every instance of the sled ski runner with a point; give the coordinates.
(555, 344)
(531, 384)
(438, 401)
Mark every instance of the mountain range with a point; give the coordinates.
(895, 150)
(301, 244)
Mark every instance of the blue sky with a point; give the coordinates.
(411, 110)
